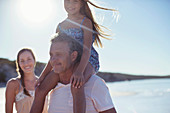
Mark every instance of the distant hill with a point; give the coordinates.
(8, 70)
(113, 77)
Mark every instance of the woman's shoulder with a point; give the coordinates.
(13, 82)
(12, 86)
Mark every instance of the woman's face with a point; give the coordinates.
(26, 62)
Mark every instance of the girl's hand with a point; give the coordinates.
(37, 83)
(77, 79)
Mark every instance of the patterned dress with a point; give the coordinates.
(77, 33)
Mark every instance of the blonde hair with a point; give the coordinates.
(96, 27)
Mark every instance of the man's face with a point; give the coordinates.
(60, 57)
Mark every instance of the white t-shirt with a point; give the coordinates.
(96, 93)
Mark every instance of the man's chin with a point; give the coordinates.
(57, 71)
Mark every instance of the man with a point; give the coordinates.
(65, 53)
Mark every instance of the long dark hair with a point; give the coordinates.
(85, 10)
(20, 71)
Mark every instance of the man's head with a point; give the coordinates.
(65, 51)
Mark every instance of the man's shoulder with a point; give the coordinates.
(95, 80)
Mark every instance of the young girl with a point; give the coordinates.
(21, 90)
(80, 25)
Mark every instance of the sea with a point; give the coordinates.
(137, 96)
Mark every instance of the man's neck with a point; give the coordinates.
(65, 77)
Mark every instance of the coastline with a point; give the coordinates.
(2, 85)
(117, 77)
(8, 71)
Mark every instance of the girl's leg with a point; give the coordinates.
(89, 71)
(79, 100)
(50, 81)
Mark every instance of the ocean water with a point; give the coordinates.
(140, 96)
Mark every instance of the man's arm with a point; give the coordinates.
(112, 110)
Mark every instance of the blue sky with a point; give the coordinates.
(140, 44)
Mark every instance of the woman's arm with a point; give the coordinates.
(10, 95)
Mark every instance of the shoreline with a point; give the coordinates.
(114, 77)
(6, 64)
(3, 85)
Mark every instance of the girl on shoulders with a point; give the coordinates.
(80, 25)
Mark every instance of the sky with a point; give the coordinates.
(140, 37)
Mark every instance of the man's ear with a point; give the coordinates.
(74, 55)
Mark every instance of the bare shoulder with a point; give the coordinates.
(87, 22)
(13, 83)
(61, 25)
(63, 22)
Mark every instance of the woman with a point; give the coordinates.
(20, 90)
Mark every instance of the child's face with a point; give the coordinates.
(72, 6)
